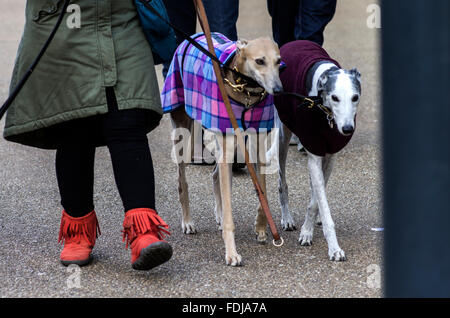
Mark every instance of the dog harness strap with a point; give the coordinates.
(217, 38)
(184, 53)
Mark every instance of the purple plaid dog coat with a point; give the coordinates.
(191, 83)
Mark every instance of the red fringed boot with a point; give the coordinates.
(143, 230)
(78, 236)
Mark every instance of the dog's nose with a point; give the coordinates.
(278, 89)
(347, 129)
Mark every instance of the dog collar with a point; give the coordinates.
(318, 102)
(242, 87)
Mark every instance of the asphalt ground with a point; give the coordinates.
(30, 211)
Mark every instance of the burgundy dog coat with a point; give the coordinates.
(310, 125)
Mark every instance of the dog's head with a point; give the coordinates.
(260, 59)
(341, 92)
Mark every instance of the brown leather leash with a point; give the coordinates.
(261, 195)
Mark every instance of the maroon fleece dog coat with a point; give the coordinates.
(310, 125)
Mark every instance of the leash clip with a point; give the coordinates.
(330, 121)
(310, 102)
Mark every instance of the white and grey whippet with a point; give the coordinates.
(341, 91)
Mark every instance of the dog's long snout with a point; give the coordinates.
(348, 129)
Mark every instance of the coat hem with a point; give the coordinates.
(77, 114)
(33, 133)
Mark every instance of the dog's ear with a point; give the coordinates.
(323, 79)
(356, 74)
(241, 44)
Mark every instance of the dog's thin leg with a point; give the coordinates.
(328, 162)
(312, 213)
(180, 120)
(231, 256)
(287, 221)
(217, 196)
(315, 168)
(261, 219)
(186, 222)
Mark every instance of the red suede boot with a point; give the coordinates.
(143, 229)
(78, 236)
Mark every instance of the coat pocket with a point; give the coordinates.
(47, 11)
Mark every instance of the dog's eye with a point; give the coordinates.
(335, 98)
(355, 98)
(260, 61)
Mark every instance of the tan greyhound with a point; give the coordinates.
(260, 60)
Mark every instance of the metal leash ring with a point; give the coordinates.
(278, 245)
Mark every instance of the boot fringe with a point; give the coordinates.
(86, 227)
(140, 221)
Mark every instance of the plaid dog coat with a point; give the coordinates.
(191, 82)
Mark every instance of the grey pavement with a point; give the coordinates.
(30, 210)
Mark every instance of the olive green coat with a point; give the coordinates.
(108, 49)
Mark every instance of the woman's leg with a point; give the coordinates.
(75, 175)
(222, 17)
(300, 19)
(126, 138)
(132, 162)
(283, 15)
(315, 16)
(125, 135)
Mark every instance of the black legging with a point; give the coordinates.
(124, 133)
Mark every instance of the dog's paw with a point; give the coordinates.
(318, 220)
(218, 218)
(305, 239)
(338, 256)
(219, 224)
(288, 224)
(233, 260)
(261, 236)
(189, 228)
